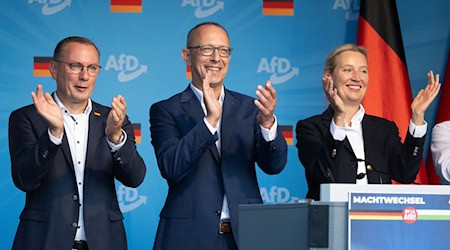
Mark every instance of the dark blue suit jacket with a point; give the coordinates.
(198, 177)
(45, 172)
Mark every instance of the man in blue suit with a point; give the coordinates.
(207, 140)
(66, 150)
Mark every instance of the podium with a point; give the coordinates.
(315, 225)
(339, 192)
(318, 224)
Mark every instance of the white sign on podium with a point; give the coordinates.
(339, 191)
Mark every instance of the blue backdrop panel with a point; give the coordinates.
(141, 59)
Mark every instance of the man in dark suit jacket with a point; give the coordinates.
(345, 145)
(207, 140)
(66, 151)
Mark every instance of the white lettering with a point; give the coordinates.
(189, 2)
(388, 200)
(111, 63)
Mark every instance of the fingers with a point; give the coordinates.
(49, 99)
(119, 106)
(38, 94)
(267, 96)
(433, 86)
(207, 80)
(266, 104)
(328, 85)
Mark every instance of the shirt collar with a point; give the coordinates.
(199, 94)
(358, 117)
(87, 111)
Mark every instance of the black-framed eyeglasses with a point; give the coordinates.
(76, 68)
(208, 50)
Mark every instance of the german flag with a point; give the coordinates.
(278, 7)
(286, 130)
(379, 32)
(188, 72)
(129, 6)
(137, 132)
(41, 66)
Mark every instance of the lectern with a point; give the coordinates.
(324, 224)
(315, 225)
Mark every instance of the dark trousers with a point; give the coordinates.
(225, 242)
(80, 245)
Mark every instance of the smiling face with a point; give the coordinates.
(74, 90)
(218, 66)
(351, 77)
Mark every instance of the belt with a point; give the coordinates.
(80, 245)
(225, 227)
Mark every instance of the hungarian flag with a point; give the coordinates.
(443, 114)
(389, 93)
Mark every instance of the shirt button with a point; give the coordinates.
(75, 197)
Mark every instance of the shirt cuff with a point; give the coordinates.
(114, 147)
(417, 131)
(212, 129)
(337, 132)
(54, 139)
(269, 134)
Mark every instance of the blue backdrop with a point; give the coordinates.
(141, 57)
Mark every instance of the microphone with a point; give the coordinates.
(370, 168)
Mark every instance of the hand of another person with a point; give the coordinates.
(424, 98)
(266, 104)
(213, 108)
(115, 119)
(335, 100)
(49, 110)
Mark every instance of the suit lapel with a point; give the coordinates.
(229, 109)
(327, 116)
(65, 144)
(369, 134)
(95, 133)
(192, 107)
(66, 151)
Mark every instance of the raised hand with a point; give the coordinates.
(266, 104)
(335, 100)
(213, 108)
(115, 119)
(424, 98)
(47, 108)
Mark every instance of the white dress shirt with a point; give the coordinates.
(440, 149)
(268, 135)
(355, 136)
(76, 127)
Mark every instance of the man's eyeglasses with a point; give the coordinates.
(208, 50)
(76, 68)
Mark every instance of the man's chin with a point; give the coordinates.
(215, 84)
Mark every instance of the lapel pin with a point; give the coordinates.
(97, 114)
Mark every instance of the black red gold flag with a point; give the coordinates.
(389, 92)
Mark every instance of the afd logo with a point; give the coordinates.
(127, 65)
(52, 6)
(276, 195)
(280, 68)
(205, 8)
(129, 199)
(351, 6)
